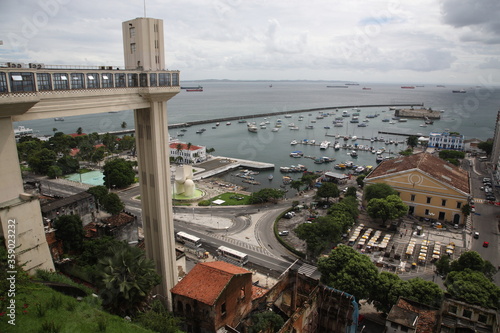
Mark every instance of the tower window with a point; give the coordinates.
(131, 32)
(132, 47)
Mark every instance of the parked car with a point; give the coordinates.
(476, 234)
(289, 215)
(283, 233)
(486, 179)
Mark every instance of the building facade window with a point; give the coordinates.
(164, 79)
(44, 81)
(3, 83)
(443, 202)
(482, 318)
(175, 79)
(132, 80)
(132, 48)
(21, 82)
(60, 81)
(120, 80)
(77, 81)
(429, 200)
(459, 205)
(223, 309)
(412, 197)
(467, 313)
(143, 79)
(107, 80)
(453, 309)
(92, 80)
(427, 212)
(152, 80)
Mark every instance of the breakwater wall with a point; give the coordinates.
(226, 119)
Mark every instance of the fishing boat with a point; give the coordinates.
(353, 153)
(270, 177)
(324, 145)
(252, 129)
(59, 119)
(461, 91)
(195, 89)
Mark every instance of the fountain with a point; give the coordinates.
(184, 187)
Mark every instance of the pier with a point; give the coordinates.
(233, 118)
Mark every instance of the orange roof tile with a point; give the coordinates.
(184, 146)
(433, 166)
(206, 281)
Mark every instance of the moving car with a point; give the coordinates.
(485, 244)
(476, 234)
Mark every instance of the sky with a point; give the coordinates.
(424, 41)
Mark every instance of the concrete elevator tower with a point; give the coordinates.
(143, 45)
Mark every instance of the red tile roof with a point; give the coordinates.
(206, 281)
(433, 166)
(184, 146)
(427, 316)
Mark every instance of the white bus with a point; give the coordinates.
(233, 255)
(186, 238)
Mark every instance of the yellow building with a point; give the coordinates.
(430, 186)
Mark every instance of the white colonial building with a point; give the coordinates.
(446, 140)
(187, 153)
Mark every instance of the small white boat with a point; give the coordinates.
(228, 123)
(275, 129)
(294, 142)
(252, 129)
(354, 138)
(324, 145)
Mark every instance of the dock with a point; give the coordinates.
(219, 164)
(417, 113)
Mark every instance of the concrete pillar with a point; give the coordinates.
(156, 195)
(10, 177)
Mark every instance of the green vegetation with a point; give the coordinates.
(112, 203)
(486, 146)
(125, 279)
(118, 173)
(158, 319)
(230, 199)
(452, 156)
(266, 195)
(69, 229)
(267, 321)
(386, 209)
(412, 141)
(327, 191)
(378, 190)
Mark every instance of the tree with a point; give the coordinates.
(296, 184)
(99, 192)
(26, 148)
(54, 130)
(466, 210)
(265, 195)
(318, 235)
(412, 141)
(348, 270)
(54, 171)
(69, 229)
(378, 190)
(328, 190)
(473, 261)
(124, 125)
(426, 292)
(473, 287)
(351, 192)
(158, 319)
(443, 265)
(79, 131)
(486, 146)
(385, 294)
(41, 161)
(386, 209)
(360, 180)
(118, 172)
(112, 203)
(210, 150)
(68, 164)
(126, 279)
(309, 179)
(267, 321)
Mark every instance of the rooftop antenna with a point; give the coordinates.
(144, 8)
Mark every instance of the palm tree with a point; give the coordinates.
(126, 279)
(412, 141)
(79, 131)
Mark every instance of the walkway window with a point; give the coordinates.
(175, 79)
(77, 81)
(92, 80)
(21, 82)
(44, 82)
(60, 81)
(3, 83)
(132, 80)
(120, 80)
(152, 80)
(164, 79)
(107, 80)
(143, 79)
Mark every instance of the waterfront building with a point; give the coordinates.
(187, 153)
(431, 187)
(446, 140)
(495, 152)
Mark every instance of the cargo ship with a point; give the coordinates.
(407, 87)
